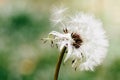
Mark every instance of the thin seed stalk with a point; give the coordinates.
(59, 63)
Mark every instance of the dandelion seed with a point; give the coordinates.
(57, 15)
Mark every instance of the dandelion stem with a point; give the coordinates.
(59, 63)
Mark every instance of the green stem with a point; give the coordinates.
(59, 63)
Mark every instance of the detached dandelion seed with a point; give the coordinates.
(83, 37)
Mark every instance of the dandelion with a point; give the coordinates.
(83, 40)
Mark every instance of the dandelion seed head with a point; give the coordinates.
(84, 37)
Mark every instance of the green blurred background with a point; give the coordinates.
(24, 57)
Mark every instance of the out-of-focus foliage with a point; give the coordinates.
(23, 56)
